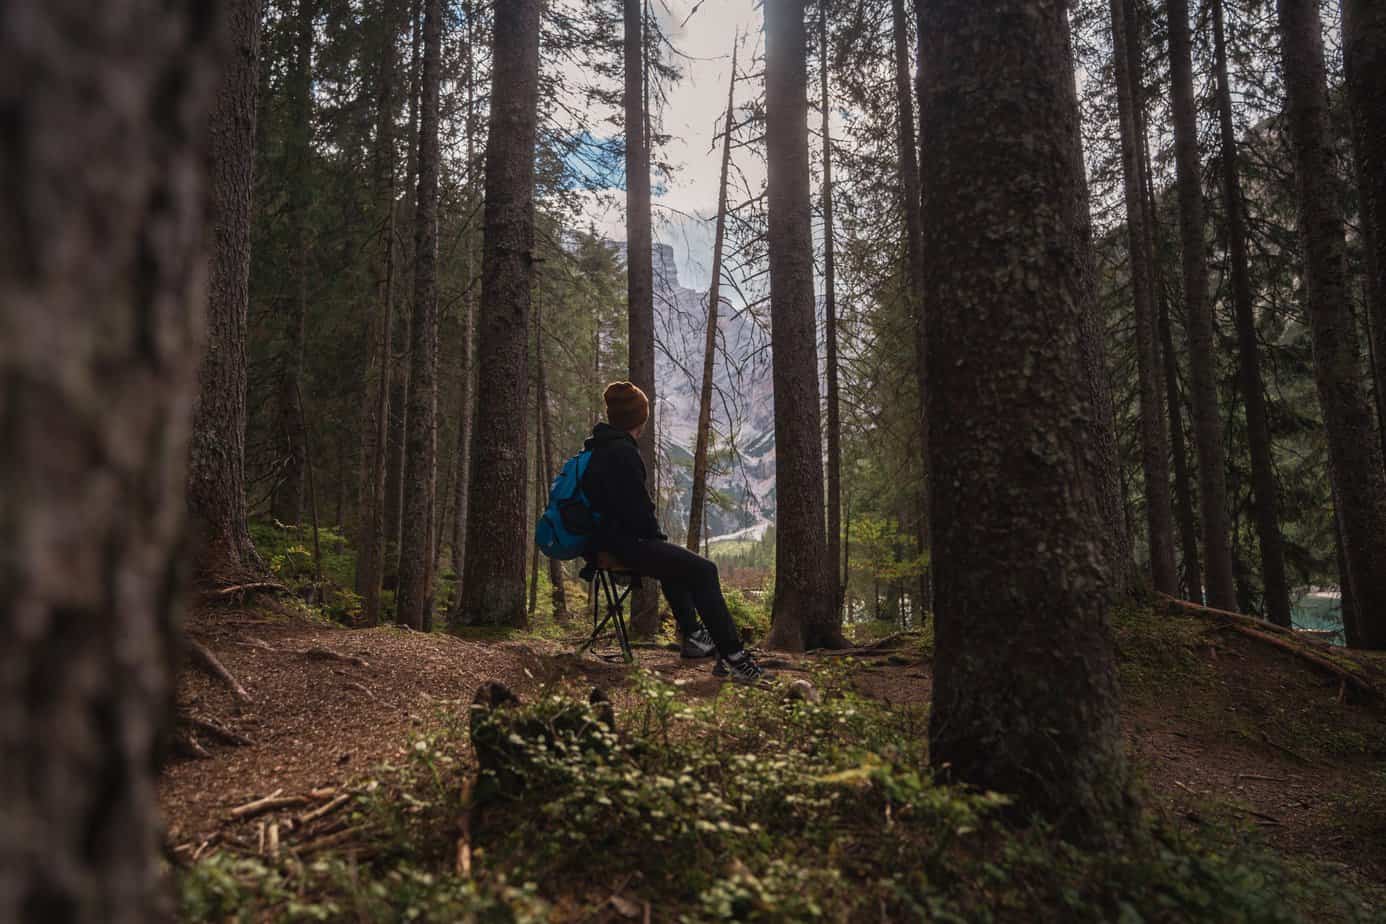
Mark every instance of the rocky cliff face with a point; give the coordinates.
(743, 407)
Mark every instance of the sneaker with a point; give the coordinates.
(742, 668)
(697, 644)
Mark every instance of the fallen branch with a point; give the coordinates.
(202, 656)
(1346, 676)
(273, 802)
(331, 840)
(254, 585)
(325, 809)
(185, 745)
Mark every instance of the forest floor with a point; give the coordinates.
(1227, 734)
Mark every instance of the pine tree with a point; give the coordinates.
(805, 614)
(101, 306)
(640, 272)
(1025, 698)
(493, 588)
(1198, 310)
(1154, 438)
(1263, 490)
(1355, 457)
(834, 398)
(413, 597)
(216, 458)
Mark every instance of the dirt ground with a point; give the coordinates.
(328, 704)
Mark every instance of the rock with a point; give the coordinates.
(803, 691)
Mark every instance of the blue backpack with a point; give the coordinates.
(569, 520)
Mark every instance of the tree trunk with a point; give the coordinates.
(1347, 606)
(401, 334)
(1154, 439)
(1263, 487)
(222, 550)
(1025, 698)
(420, 489)
(1104, 454)
(287, 504)
(1183, 496)
(834, 402)
(914, 262)
(698, 496)
(1198, 311)
(1364, 60)
(538, 506)
(644, 619)
(467, 411)
(1355, 459)
(805, 615)
(544, 450)
(370, 560)
(493, 586)
(102, 304)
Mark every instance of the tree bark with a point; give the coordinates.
(834, 400)
(401, 334)
(1263, 486)
(1198, 311)
(914, 265)
(545, 453)
(805, 615)
(370, 560)
(1025, 698)
(287, 503)
(1364, 60)
(420, 465)
(698, 495)
(493, 587)
(1154, 438)
(1355, 457)
(222, 550)
(103, 248)
(644, 617)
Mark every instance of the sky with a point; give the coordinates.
(683, 209)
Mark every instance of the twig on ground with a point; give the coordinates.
(215, 730)
(331, 840)
(270, 803)
(325, 809)
(253, 585)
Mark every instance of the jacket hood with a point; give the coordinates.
(604, 435)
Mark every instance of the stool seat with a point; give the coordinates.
(608, 562)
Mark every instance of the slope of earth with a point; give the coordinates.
(1229, 735)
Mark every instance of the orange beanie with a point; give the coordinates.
(626, 406)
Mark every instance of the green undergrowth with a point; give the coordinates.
(746, 808)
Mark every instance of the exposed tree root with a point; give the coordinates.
(201, 656)
(214, 729)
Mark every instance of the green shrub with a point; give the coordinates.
(752, 619)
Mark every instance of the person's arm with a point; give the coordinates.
(631, 500)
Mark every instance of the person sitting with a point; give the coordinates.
(628, 532)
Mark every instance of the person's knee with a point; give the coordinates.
(707, 570)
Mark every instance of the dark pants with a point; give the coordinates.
(689, 581)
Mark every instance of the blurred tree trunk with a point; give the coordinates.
(805, 614)
(1025, 697)
(914, 263)
(222, 550)
(1198, 316)
(493, 587)
(287, 503)
(1264, 492)
(1154, 439)
(1355, 456)
(644, 618)
(698, 496)
(103, 231)
(370, 558)
(420, 465)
